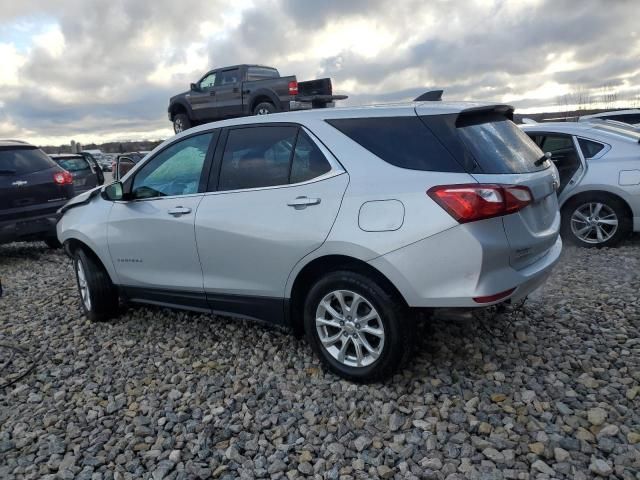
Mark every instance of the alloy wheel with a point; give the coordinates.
(594, 222)
(178, 126)
(350, 328)
(263, 111)
(83, 285)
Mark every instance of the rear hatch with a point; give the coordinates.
(27, 186)
(495, 151)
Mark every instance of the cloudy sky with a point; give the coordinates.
(101, 70)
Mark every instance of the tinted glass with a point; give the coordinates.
(258, 73)
(500, 147)
(257, 157)
(554, 144)
(21, 161)
(174, 171)
(589, 148)
(73, 164)
(227, 77)
(308, 160)
(630, 118)
(401, 141)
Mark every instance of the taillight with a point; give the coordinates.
(293, 87)
(477, 201)
(63, 178)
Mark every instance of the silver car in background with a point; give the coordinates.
(599, 167)
(339, 223)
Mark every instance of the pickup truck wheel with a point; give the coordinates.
(264, 108)
(181, 123)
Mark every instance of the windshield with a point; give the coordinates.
(21, 161)
(501, 147)
(73, 164)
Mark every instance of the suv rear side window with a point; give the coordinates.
(22, 161)
(401, 141)
(257, 157)
(589, 147)
(500, 147)
(308, 160)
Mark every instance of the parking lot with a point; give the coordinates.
(550, 392)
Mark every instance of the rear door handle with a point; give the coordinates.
(212, 93)
(177, 211)
(303, 202)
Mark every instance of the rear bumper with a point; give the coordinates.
(465, 262)
(29, 228)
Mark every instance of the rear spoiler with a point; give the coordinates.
(474, 115)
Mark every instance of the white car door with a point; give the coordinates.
(278, 194)
(151, 234)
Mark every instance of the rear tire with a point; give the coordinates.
(181, 123)
(595, 220)
(366, 344)
(98, 295)
(264, 108)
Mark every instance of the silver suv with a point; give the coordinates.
(340, 223)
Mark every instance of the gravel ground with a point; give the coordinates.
(553, 392)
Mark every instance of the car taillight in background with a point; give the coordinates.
(63, 178)
(477, 201)
(293, 88)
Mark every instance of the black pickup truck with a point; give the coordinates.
(244, 90)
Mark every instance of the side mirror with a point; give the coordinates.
(113, 192)
(194, 87)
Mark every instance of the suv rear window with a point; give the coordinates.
(498, 146)
(22, 161)
(401, 141)
(73, 164)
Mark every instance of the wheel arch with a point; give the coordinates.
(585, 194)
(320, 266)
(263, 96)
(179, 107)
(71, 245)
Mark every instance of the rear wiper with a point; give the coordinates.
(542, 159)
(7, 172)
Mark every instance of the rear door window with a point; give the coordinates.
(227, 77)
(22, 161)
(257, 157)
(401, 141)
(308, 160)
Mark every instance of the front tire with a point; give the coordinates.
(595, 220)
(358, 328)
(264, 108)
(181, 123)
(98, 295)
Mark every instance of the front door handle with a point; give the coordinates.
(212, 94)
(177, 211)
(303, 202)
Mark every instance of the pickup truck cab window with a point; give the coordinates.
(174, 171)
(227, 77)
(208, 81)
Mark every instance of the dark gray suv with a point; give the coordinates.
(32, 188)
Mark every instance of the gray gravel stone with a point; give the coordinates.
(550, 392)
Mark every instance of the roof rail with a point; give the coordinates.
(529, 121)
(430, 96)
